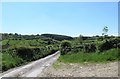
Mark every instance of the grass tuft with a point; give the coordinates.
(56, 65)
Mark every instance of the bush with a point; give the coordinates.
(53, 50)
(105, 46)
(77, 48)
(25, 53)
(118, 45)
(109, 44)
(65, 47)
(89, 48)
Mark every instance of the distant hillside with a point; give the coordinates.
(19, 36)
(57, 37)
(30, 37)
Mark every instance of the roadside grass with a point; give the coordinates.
(97, 57)
(9, 62)
(56, 65)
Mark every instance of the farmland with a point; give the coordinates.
(20, 49)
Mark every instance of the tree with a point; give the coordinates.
(80, 38)
(105, 30)
(16, 34)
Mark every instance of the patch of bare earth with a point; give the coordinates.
(82, 70)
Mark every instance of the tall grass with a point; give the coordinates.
(8, 61)
(80, 57)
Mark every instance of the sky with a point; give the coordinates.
(66, 18)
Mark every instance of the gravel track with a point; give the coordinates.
(44, 68)
(33, 69)
(80, 70)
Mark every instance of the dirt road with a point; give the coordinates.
(32, 69)
(80, 70)
(44, 68)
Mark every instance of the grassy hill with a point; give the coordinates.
(57, 37)
(20, 49)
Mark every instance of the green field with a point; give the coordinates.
(18, 49)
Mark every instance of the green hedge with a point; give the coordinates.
(109, 44)
(17, 56)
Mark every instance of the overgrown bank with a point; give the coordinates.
(18, 50)
(93, 51)
(22, 55)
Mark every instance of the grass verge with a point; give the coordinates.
(56, 65)
(99, 57)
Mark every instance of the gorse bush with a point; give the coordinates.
(65, 47)
(77, 48)
(25, 53)
(108, 44)
(104, 46)
(34, 53)
(89, 48)
(118, 45)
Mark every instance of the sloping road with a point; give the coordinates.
(32, 69)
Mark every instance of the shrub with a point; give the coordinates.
(89, 47)
(77, 48)
(105, 46)
(108, 44)
(65, 47)
(118, 45)
(53, 50)
(25, 53)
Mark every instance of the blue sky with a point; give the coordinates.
(66, 18)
